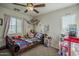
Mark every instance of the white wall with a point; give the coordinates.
(12, 13)
(55, 22)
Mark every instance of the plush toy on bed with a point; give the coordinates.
(31, 34)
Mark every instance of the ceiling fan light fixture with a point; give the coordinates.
(30, 7)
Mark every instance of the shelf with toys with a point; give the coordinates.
(69, 46)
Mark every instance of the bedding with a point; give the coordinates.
(21, 43)
(19, 40)
(39, 35)
(35, 39)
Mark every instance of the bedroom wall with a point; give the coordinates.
(53, 19)
(12, 13)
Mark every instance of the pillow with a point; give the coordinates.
(30, 35)
(39, 35)
(17, 37)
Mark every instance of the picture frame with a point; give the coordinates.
(1, 21)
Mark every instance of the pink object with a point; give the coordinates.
(18, 36)
(70, 40)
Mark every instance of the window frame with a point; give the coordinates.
(16, 31)
(65, 29)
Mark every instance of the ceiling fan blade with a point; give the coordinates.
(19, 4)
(26, 11)
(35, 10)
(39, 5)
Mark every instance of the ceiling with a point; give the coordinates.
(49, 7)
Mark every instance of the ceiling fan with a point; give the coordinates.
(30, 6)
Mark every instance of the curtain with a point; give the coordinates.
(23, 25)
(6, 25)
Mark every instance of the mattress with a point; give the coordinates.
(23, 42)
(35, 39)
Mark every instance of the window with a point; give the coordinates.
(67, 20)
(15, 25)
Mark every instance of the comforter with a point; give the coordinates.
(22, 43)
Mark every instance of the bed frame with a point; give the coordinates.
(13, 48)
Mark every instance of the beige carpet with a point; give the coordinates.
(39, 50)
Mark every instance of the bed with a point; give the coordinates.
(19, 45)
